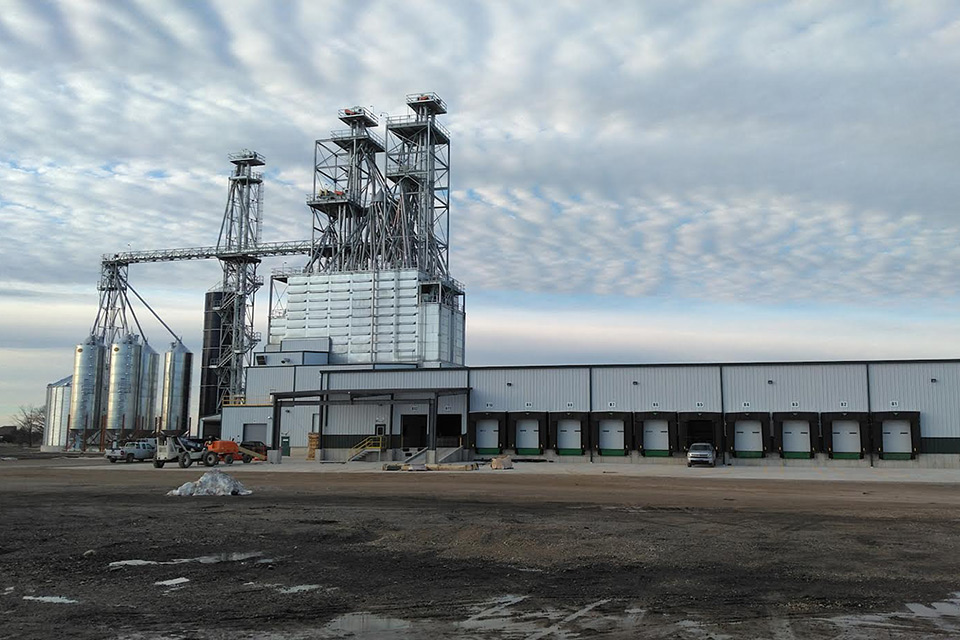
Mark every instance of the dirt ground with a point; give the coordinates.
(94, 552)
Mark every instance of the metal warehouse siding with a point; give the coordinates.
(308, 378)
(795, 387)
(909, 386)
(656, 389)
(262, 382)
(561, 389)
(412, 379)
(360, 419)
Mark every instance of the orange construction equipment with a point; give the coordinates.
(227, 451)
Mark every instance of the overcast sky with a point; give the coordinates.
(633, 181)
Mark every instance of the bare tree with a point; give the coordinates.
(30, 422)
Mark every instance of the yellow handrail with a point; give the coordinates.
(370, 443)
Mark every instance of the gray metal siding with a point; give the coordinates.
(795, 387)
(233, 419)
(561, 389)
(408, 379)
(308, 378)
(656, 389)
(297, 422)
(356, 419)
(909, 386)
(264, 381)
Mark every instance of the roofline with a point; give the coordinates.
(716, 364)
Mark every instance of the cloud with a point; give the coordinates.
(780, 153)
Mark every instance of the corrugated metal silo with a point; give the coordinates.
(86, 395)
(149, 374)
(124, 387)
(58, 411)
(177, 370)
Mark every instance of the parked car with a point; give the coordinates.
(701, 453)
(131, 451)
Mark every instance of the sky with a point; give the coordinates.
(632, 181)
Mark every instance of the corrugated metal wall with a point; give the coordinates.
(233, 418)
(562, 389)
(405, 379)
(795, 387)
(909, 387)
(264, 381)
(356, 419)
(680, 388)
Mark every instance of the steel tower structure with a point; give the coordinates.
(418, 164)
(237, 250)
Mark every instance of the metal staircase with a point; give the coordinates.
(365, 446)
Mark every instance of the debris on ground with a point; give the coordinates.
(212, 483)
(501, 462)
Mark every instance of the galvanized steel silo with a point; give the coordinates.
(124, 387)
(86, 396)
(177, 370)
(149, 374)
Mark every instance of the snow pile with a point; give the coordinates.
(212, 483)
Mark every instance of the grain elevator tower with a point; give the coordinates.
(378, 284)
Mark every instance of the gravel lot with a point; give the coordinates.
(95, 551)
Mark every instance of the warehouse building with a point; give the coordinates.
(758, 413)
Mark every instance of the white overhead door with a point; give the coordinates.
(796, 436)
(846, 438)
(896, 436)
(528, 434)
(611, 435)
(488, 434)
(656, 435)
(568, 435)
(748, 438)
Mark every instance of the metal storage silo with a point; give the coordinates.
(149, 374)
(177, 370)
(87, 390)
(124, 387)
(58, 409)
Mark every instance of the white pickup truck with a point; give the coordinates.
(131, 451)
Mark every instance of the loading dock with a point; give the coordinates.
(413, 431)
(527, 432)
(612, 432)
(488, 432)
(845, 434)
(748, 434)
(699, 426)
(569, 434)
(896, 434)
(655, 433)
(796, 434)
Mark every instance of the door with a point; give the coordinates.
(413, 431)
(569, 440)
(257, 432)
(488, 436)
(656, 437)
(748, 439)
(528, 436)
(796, 439)
(896, 438)
(611, 440)
(846, 439)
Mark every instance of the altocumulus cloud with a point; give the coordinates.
(715, 152)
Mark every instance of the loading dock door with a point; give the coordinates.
(611, 442)
(846, 439)
(897, 441)
(748, 439)
(528, 437)
(796, 439)
(656, 438)
(569, 438)
(488, 437)
(256, 432)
